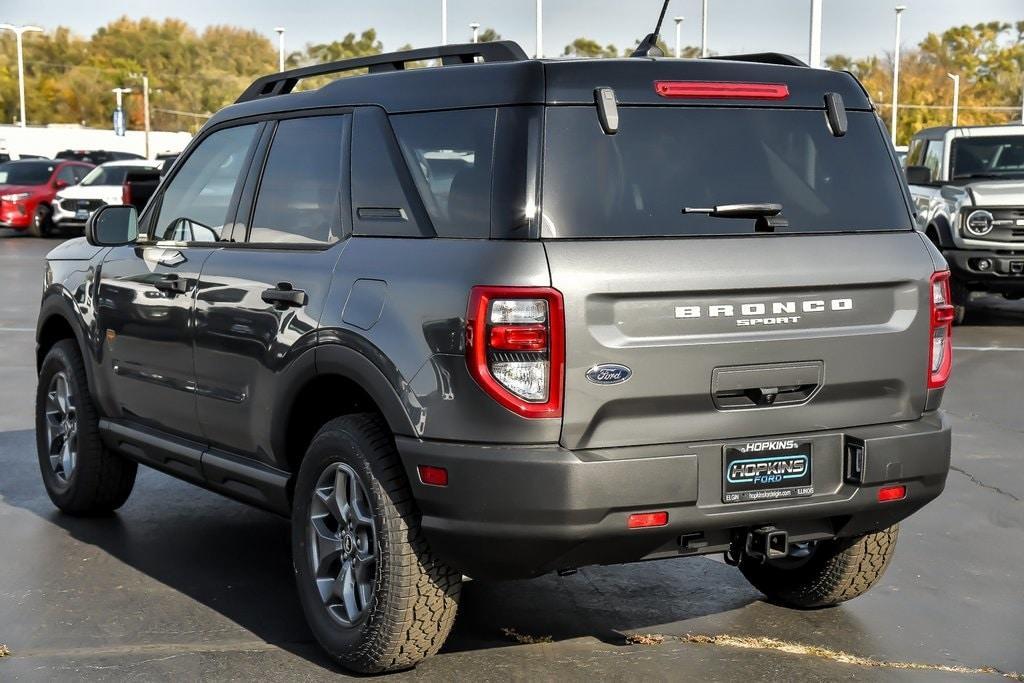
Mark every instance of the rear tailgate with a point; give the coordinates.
(832, 328)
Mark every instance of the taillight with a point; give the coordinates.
(515, 347)
(126, 194)
(727, 90)
(940, 353)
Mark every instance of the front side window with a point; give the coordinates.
(194, 208)
(1000, 156)
(933, 158)
(67, 175)
(300, 191)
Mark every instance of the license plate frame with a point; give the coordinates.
(767, 470)
(82, 215)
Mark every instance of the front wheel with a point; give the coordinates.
(82, 477)
(42, 222)
(824, 573)
(374, 595)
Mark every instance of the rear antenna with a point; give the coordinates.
(648, 47)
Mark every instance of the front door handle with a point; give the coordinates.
(284, 296)
(172, 284)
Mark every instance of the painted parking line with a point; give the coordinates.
(17, 329)
(988, 348)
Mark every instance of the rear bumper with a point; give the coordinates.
(516, 511)
(1004, 274)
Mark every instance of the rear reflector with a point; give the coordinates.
(433, 476)
(722, 90)
(889, 493)
(646, 519)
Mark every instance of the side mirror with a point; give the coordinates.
(112, 226)
(918, 175)
(60, 183)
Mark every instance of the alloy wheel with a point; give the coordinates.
(61, 426)
(343, 544)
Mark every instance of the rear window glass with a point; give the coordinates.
(636, 182)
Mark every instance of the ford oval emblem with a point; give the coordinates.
(609, 373)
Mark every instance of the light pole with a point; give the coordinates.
(896, 73)
(444, 22)
(145, 107)
(540, 28)
(815, 38)
(956, 96)
(280, 47)
(18, 32)
(704, 28)
(679, 44)
(475, 28)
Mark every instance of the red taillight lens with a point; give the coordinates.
(890, 493)
(722, 90)
(515, 347)
(433, 476)
(940, 351)
(519, 337)
(643, 520)
(126, 194)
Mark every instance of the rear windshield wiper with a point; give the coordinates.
(767, 215)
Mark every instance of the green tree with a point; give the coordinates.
(488, 35)
(586, 47)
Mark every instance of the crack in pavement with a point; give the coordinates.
(155, 649)
(754, 643)
(977, 418)
(983, 485)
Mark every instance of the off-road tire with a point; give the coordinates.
(415, 596)
(101, 480)
(41, 224)
(837, 571)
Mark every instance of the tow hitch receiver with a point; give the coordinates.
(767, 543)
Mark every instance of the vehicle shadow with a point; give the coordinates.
(994, 311)
(236, 560)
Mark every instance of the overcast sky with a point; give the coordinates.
(854, 27)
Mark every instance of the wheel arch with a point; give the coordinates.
(342, 381)
(55, 323)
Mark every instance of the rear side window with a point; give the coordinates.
(636, 182)
(449, 154)
(299, 195)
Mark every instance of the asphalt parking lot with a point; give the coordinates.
(181, 584)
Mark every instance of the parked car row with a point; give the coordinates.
(40, 195)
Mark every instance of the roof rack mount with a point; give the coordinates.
(466, 53)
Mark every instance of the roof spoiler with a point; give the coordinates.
(762, 58)
(467, 53)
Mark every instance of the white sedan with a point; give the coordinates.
(104, 185)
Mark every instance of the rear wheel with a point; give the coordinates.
(81, 476)
(374, 596)
(824, 573)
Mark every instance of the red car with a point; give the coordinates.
(27, 189)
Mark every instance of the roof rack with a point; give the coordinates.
(467, 53)
(762, 58)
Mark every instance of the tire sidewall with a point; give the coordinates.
(40, 225)
(337, 444)
(59, 359)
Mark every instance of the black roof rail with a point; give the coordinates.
(465, 53)
(762, 58)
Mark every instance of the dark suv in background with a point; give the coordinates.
(509, 316)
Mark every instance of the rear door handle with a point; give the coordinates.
(284, 296)
(172, 284)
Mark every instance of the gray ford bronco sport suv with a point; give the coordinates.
(504, 316)
(968, 188)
